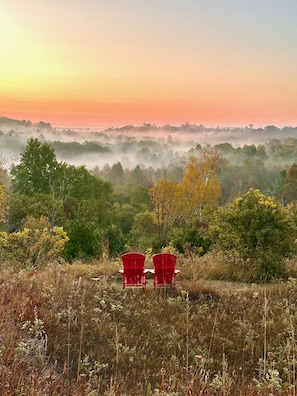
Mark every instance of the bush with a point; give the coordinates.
(34, 246)
(114, 241)
(85, 240)
(255, 235)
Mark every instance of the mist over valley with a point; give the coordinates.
(147, 145)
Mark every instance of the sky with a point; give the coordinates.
(128, 62)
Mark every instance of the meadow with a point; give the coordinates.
(72, 330)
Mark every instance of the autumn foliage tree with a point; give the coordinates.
(200, 186)
(3, 204)
(185, 202)
(164, 199)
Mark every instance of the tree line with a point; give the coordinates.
(243, 209)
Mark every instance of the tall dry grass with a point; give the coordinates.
(72, 330)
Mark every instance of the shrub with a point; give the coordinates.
(34, 246)
(255, 234)
(114, 241)
(85, 240)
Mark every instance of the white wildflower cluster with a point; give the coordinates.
(35, 344)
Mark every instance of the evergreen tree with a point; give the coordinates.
(290, 185)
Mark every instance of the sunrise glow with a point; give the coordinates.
(216, 63)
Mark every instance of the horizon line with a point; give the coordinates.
(86, 125)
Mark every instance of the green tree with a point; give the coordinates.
(67, 195)
(117, 173)
(290, 185)
(21, 206)
(254, 174)
(189, 241)
(41, 177)
(138, 176)
(86, 224)
(139, 197)
(123, 216)
(278, 186)
(39, 172)
(36, 170)
(144, 231)
(127, 202)
(85, 239)
(255, 235)
(79, 183)
(114, 241)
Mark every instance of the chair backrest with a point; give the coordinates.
(133, 274)
(133, 260)
(164, 265)
(164, 261)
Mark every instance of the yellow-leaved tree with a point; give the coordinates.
(3, 204)
(186, 201)
(200, 186)
(164, 199)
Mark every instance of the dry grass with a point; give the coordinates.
(72, 330)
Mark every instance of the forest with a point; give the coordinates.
(72, 202)
(161, 190)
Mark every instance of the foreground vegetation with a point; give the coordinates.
(72, 330)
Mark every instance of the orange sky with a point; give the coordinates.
(217, 63)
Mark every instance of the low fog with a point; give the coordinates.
(148, 145)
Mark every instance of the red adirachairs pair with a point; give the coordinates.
(134, 274)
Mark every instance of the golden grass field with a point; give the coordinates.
(73, 330)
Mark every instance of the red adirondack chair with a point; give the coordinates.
(164, 269)
(134, 274)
